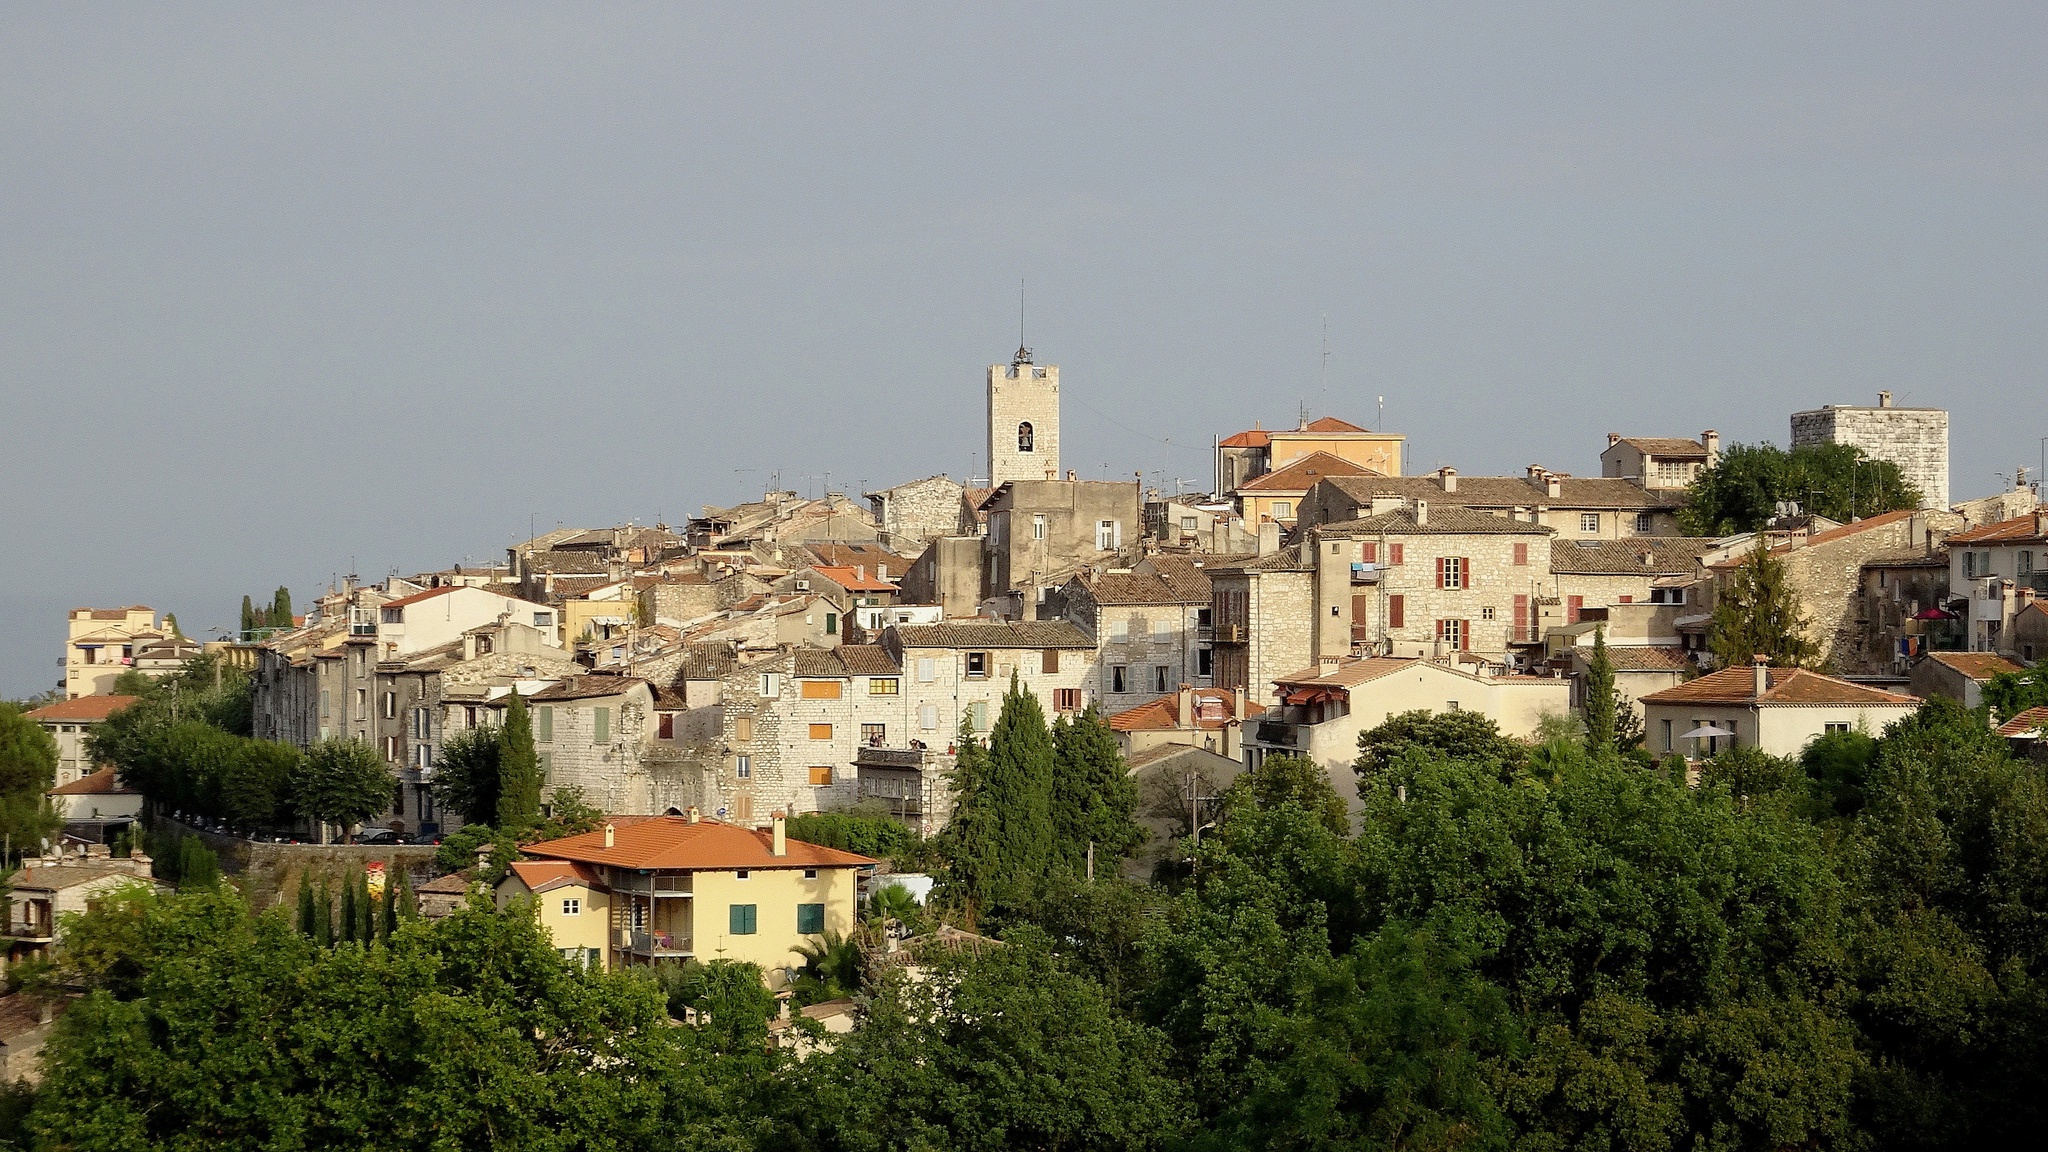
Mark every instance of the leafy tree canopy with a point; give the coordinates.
(1742, 491)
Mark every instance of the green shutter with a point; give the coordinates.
(831, 623)
(601, 726)
(742, 919)
(810, 919)
(544, 724)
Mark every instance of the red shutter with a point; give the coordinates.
(1394, 554)
(1397, 611)
(1522, 554)
(1628, 599)
(1521, 615)
(1465, 635)
(1465, 572)
(1440, 571)
(1572, 606)
(1372, 552)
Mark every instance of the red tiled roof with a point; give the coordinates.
(2018, 530)
(1302, 474)
(84, 710)
(1351, 673)
(673, 842)
(1331, 424)
(2026, 723)
(1214, 708)
(1782, 686)
(1256, 438)
(100, 783)
(1666, 445)
(852, 580)
(545, 875)
(1975, 665)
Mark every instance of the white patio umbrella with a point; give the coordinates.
(1706, 732)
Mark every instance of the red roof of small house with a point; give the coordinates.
(83, 710)
(2026, 723)
(101, 783)
(1255, 438)
(1214, 708)
(853, 579)
(672, 842)
(1782, 686)
(2019, 530)
(1302, 474)
(547, 875)
(416, 597)
(1331, 424)
(1978, 666)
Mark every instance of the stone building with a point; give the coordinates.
(1150, 631)
(1915, 439)
(680, 598)
(1655, 570)
(1041, 531)
(1659, 461)
(1023, 421)
(70, 724)
(2000, 568)
(911, 513)
(950, 574)
(1958, 676)
(1573, 507)
(1253, 453)
(602, 736)
(1263, 614)
(1898, 589)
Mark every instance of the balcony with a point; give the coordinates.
(1275, 733)
(658, 945)
(656, 884)
(1232, 634)
(870, 756)
(31, 931)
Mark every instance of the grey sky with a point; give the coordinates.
(286, 289)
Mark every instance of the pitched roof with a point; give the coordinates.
(1666, 446)
(1126, 587)
(1452, 521)
(992, 634)
(1635, 556)
(1590, 492)
(587, 687)
(56, 877)
(705, 661)
(1351, 673)
(1254, 438)
(853, 579)
(1301, 475)
(83, 710)
(1784, 686)
(1188, 576)
(416, 597)
(674, 842)
(100, 783)
(1214, 708)
(1838, 532)
(1977, 666)
(2026, 723)
(2018, 530)
(547, 875)
(843, 662)
(456, 883)
(1647, 658)
(1330, 424)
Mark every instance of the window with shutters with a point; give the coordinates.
(810, 919)
(1370, 552)
(1573, 605)
(325, 700)
(831, 623)
(821, 775)
(1395, 554)
(1521, 623)
(928, 717)
(1049, 661)
(820, 690)
(1038, 526)
(742, 918)
(821, 731)
(601, 726)
(665, 726)
(1283, 510)
(391, 749)
(743, 729)
(977, 716)
(1521, 555)
(1452, 632)
(1066, 699)
(1159, 677)
(1451, 572)
(391, 705)
(927, 670)
(1397, 611)
(1116, 678)
(977, 665)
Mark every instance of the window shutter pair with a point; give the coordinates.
(1372, 552)
(1397, 611)
(1522, 554)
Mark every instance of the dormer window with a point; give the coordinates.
(1025, 438)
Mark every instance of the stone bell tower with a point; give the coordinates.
(1023, 420)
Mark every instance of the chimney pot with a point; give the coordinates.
(693, 814)
(1422, 513)
(1613, 438)
(610, 834)
(1884, 399)
(1762, 666)
(779, 834)
(1184, 707)
(1447, 476)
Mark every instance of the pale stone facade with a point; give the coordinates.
(1428, 580)
(1023, 420)
(912, 513)
(1915, 439)
(100, 644)
(1264, 614)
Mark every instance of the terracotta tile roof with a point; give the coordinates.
(662, 842)
(1645, 658)
(1910, 558)
(1839, 532)
(457, 883)
(1451, 521)
(1188, 576)
(575, 563)
(1331, 424)
(1122, 587)
(1351, 673)
(2018, 530)
(2026, 723)
(416, 597)
(1255, 438)
(1214, 708)
(1785, 686)
(1302, 474)
(101, 783)
(1588, 492)
(853, 580)
(992, 634)
(705, 662)
(1979, 666)
(844, 662)
(56, 877)
(547, 875)
(1635, 556)
(587, 687)
(840, 555)
(1667, 446)
(574, 587)
(84, 710)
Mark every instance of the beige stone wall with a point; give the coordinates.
(1487, 603)
(1020, 393)
(1915, 439)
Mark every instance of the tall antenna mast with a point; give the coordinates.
(1023, 355)
(1326, 364)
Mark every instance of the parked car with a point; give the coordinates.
(380, 836)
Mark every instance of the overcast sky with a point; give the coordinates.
(286, 291)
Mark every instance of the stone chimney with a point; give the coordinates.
(1447, 477)
(692, 814)
(1711, 441)
(1762, 666)
(1269, 537)
(1237, 696)
(1383, 503)
(1422, 513)
(881, 571)
(779, 835)
(1613, 438)
(1553, 487)
(1884, 399)
(1184, 707)
(611, 836)
(2041, 521)
(1071, 475)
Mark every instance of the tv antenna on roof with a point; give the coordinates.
(1326, 364)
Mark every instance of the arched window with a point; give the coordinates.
(1024, 438)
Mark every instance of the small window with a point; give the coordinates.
(810, 873)
(742, 917)
(810, 919)
(1025, 438)
(1049, 662)
(821, 731)
(1189, 525)
(874, 735)
(665, 726)
(1589, 521)
(1116, 678)
(1105, 535)
(819, 689)
(977, 665)
(742, 874)
(927, 670)
(883, 686)
(821, 776)
(1038, 526)
(543, 619)
(1645, 523)
(743, 767)
(771, 685)
(1521, 555)
(743, 729)
(1833, 728)
(543, 724)
(1283, 510)
(1159, 677)
(1066, 699)
(928, 717)
(572, 906)
(1486, 613)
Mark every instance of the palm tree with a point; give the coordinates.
(894, 902)
(832, 968)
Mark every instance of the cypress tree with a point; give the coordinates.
(518, 770)
(1758, 614)
(348, 908)
(248, 616)
(1019, 789)
(1599, 697)
(306, 906)
(323, 917)
(366, 910)
(393, 887)
(281, 608)
(969, 840)
(1094, 799)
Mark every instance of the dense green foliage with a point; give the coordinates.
(1758, 614)
(28, 769)
(851, 830)
(1742, 491)
(2011, 693)
(1094, 799)
(1601, 730)
(519, 781)
(466, 774)
(342, 782)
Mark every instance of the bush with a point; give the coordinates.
(853, 830)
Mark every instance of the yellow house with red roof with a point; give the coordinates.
(645, 889)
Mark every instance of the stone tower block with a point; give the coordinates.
(1915, 439)
(1023, 420)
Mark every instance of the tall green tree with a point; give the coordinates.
(281, 608)
(970, 843)
(342, 782)
(1599, 696)
(1019, 791)
(1744, 489)
(28, 769)
(467, 774)
(348, 908)
(1094, 799)
(248, 616)
(519, 779)
(1758, 614)
(305, 913)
